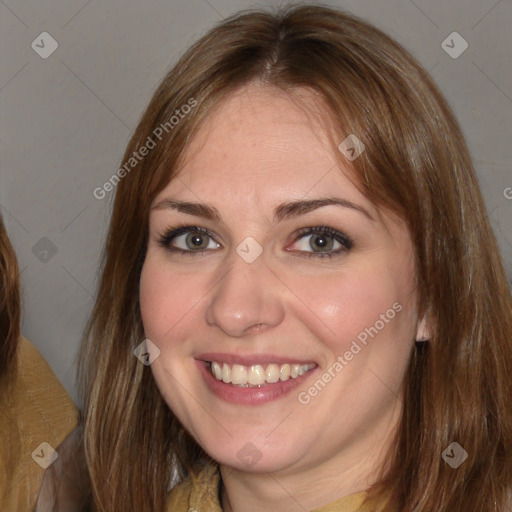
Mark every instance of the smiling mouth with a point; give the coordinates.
(257, 375)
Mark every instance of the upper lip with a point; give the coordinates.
(250, 359)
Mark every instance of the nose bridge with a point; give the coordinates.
(245, 297)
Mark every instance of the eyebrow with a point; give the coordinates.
(281, 212)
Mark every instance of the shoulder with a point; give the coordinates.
(39, 399)
(36, 416)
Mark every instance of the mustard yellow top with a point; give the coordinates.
(201, 493)
(35, 417)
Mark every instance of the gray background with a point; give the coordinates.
(65, 121)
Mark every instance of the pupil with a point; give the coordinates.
(196, 240)
(321, 241)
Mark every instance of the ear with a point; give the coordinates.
(423, 331)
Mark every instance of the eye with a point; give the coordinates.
(322, 242)
(188, 240)
(315, 241)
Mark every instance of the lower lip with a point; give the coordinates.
(249, 395)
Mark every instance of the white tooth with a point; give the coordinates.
(216, 370)
(256, 375)
(284, 372)
(272, 373)
(238, 374)
(294, 371)
(226, 373)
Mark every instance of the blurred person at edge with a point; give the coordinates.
(325, 142)
(36, 413)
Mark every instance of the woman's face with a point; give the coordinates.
(247, 297)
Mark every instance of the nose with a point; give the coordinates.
(246, 299)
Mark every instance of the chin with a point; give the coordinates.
(250, 457)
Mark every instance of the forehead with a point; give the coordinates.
(266, 145)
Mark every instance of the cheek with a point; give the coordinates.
(166, 298)
(362, 304)
(167, 302)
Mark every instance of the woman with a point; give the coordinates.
(36, 413)
(302, 263)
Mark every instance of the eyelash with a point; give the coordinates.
(347, 243)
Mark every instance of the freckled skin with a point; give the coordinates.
(260, 149)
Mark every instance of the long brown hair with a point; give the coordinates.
(417, 165)
(10, 307)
